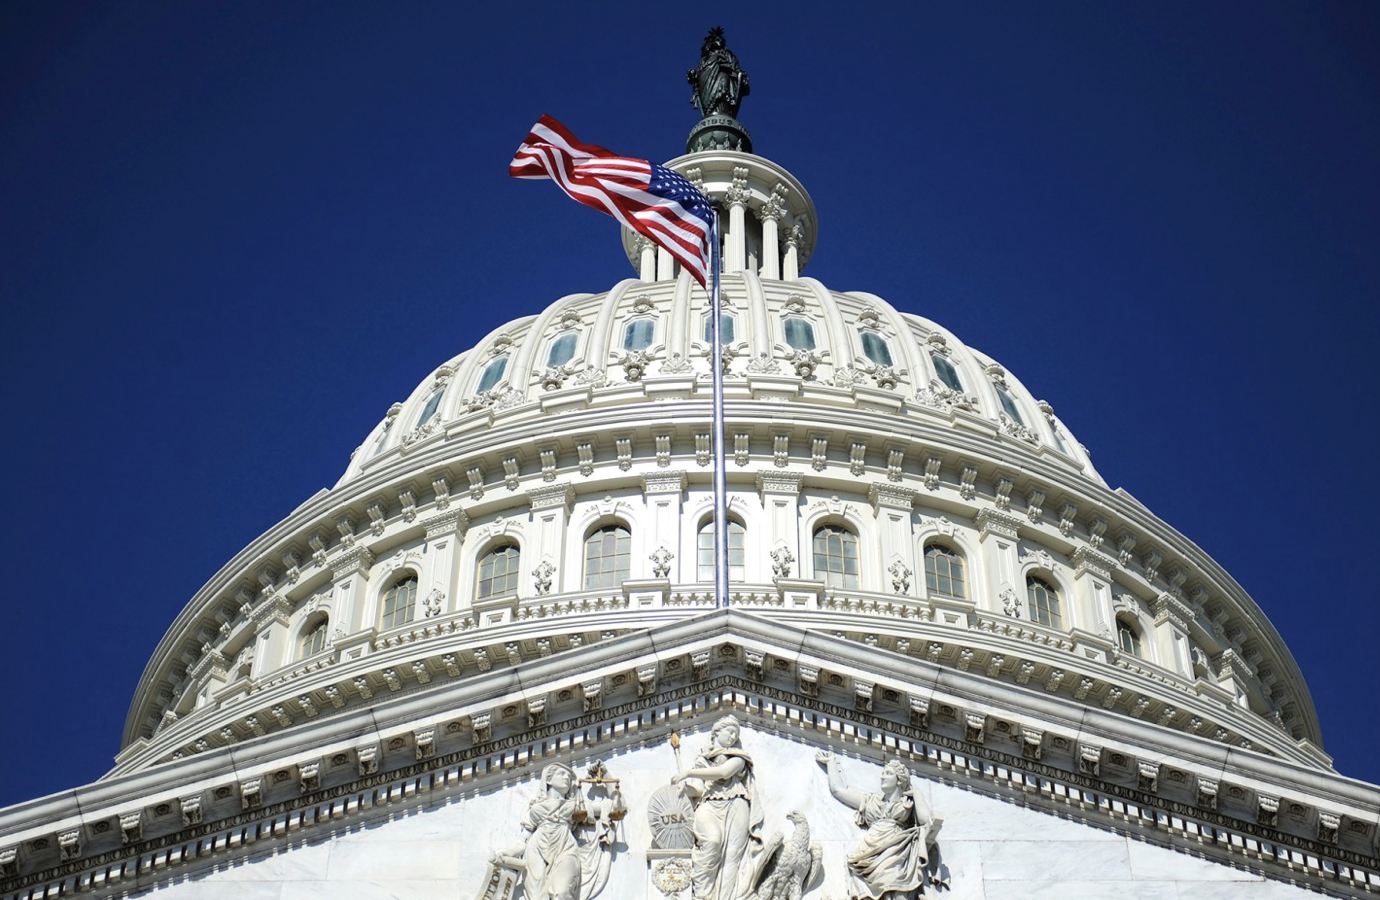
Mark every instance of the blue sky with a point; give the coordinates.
(233, 233)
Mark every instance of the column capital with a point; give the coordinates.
(554, 495)
(669, 482)
(776, 481)
(451, 521)
(1086, 559)
(994, 522)
(892, 496)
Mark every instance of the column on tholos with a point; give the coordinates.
(735, 240)
(790, 269)
(646, 255)
(770, 214)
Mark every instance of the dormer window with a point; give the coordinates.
(1009, 405)
(562, 350)
(725, 328)
(875, 348)
(492, 373)
(638, 334)
(432, 404)
(946, 372)
(800, 334)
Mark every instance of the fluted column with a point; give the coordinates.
(770, 215)
(790, 271)
(646, 250)
(665, 265)
(735, 251)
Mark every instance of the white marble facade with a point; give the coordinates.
(990, 848)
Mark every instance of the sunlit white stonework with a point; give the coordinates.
(398, 688)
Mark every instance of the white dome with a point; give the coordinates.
(793, 342)
(549, 488)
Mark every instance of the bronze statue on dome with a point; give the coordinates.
(720, 83)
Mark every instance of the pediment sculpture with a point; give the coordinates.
(573, 827)
(898, 856)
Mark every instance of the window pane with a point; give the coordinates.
(943, 571)
(876, 349)
(429, 410)
(498, 572)
(638, 335)
(1010, 406)
(492, 373)
(314, 641)
(947, 373)
(1043, 603)
(562, 349)
(736, 571)
(800, 334)
(836, 556)
(399, 601)
(1128, 638)
(1059, 441)
(725, 328)
(608, 557)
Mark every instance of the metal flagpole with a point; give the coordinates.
(720, 484)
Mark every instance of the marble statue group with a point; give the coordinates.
(707, 827)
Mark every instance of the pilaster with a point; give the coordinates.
(997, 532)
(550, 515)
(779, 491)
(662, 492)
(1171, 633)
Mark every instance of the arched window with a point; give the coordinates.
(398, 603)
(1128, 637)
(314, 638)
(725, 328)
(836, 556)
(1043, 602)
(638, 334)
(432, 403)
(736, 534)
(800, 334)
(947, 373)
(498, 572)
(875, 348)
(608, 556)
(944, 572)
(492, 373)
(1010, 406)
(562, 350)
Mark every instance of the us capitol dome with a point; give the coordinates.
(516, 568)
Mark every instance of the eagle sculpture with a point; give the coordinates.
(788, 868)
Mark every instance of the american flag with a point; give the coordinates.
(650, 199)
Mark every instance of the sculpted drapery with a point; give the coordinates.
(567, 855)
(727, 819)
(720, 83)
(892, 860)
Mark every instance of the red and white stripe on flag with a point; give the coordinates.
(648, 198)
